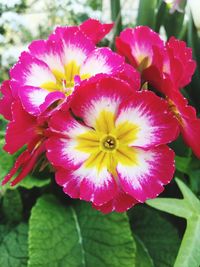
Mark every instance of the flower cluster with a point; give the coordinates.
(102, 119)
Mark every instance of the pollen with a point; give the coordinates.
(109, 143)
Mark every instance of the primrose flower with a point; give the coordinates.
(144, 49)
(116, 155)
(168, 67)
(50, 69)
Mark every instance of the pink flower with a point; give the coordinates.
(117, 156)
(141, 47)
(144, 49)
(167, 67)
(50, 69)
(24, 130)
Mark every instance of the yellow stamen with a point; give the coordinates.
(65, 80)
(107, 144)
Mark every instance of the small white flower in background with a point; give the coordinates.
(10, 3)
(13, 19)
(195, 9)
(174, 5)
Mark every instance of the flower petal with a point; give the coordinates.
(145, 177)
(102, 60)
(182, 66)
(22, 128)
(95, 30)
(148, 118)
(191, 133)
(63, 150)
(102, 93)
(137, 44)
(31, 71)
(6, 100)
(49, 52)
(88, 184)
(122, 202)
(76, 46)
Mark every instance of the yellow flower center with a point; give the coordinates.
(107, 144)
(65, 80)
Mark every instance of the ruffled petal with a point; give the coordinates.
(76, 45)
(95, 30)
(143, 120)
(99, 94)
(144, 177)
(31, 71)
(102, 60)
(49, 52)
(121, 203)
(23, 128)
(137, 45)
(63, 150)
(35, 100)
(6, 100)
(88, 184)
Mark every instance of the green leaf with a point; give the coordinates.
(78, 236)
(159, 236)
(12, 206)
(116, 16)
(146, 13)
(6, 161)
(193, 41)
(143, 258)
(14, 247)
(160, 15)
(182, 163)
(32, 181)
(189, 208)
(189, 252)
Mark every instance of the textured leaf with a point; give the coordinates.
(158, 235)
(32, 181)
(189, 252)
(14, 247)
(12, 206)
(143, 258)
(189, 208)
(78, 236)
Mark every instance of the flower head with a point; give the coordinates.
(50, 69)
(118, 151)
(167, 67)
